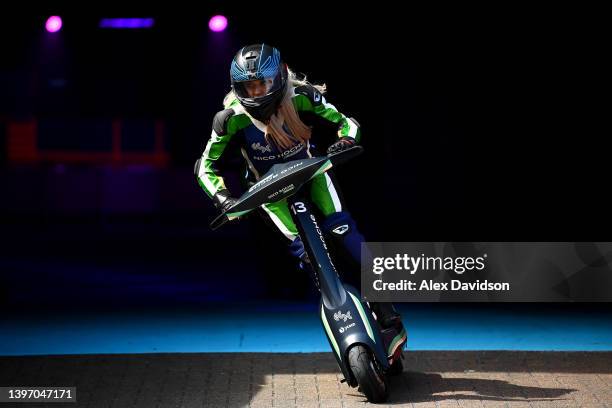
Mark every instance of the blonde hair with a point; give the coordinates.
(285, 115)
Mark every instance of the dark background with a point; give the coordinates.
(478, 125)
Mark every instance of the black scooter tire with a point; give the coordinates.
(368, 374)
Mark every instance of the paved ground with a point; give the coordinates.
(433, 379)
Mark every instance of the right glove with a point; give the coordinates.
(223, 200)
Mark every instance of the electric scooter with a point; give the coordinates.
(366, 353)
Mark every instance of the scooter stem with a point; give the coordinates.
(333, 293)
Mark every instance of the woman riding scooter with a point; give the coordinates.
(269, 117)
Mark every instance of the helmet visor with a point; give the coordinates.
(258, 88)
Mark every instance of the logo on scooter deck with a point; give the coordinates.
(342, 316)
(273, 176)
(262, 182)
(292, 167)
(283, 190)
(345, 328)
(314, 221)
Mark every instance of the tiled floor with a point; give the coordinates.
(432, 379)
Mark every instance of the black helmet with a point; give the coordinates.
(259, 62)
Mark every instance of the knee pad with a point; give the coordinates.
(343, 229)
(338, 223)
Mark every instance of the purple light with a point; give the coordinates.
(217, 23)
(126, 23)
(53, 24)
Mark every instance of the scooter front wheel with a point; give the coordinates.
(368, 374)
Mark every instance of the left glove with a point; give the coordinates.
(342, 144)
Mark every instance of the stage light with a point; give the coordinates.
(126, 23)
(217, 23)
(53, 24)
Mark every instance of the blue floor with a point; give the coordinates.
(296, 328)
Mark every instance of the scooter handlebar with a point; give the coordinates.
(335, 159)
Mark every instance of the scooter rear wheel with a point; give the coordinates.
(368, 374)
